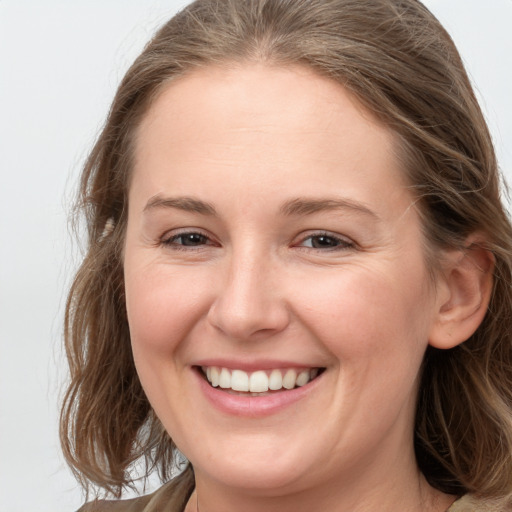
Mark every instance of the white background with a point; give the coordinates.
(60, 62)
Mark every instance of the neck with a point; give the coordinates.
(413, 494)
(384, 477)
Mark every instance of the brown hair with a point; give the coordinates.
(396, 58)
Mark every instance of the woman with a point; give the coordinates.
(298, 271)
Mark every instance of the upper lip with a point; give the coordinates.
(255, 365)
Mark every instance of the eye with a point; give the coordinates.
(187, 239)
(326, 241)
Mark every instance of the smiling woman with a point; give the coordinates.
(306, 281)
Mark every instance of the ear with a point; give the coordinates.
(464, 292)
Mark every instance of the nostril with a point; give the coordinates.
(247, 306)
(248, 320)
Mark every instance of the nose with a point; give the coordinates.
(250, 302)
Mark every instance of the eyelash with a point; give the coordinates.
(171, 241)
(341, 243)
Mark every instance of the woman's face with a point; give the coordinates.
(272, 241)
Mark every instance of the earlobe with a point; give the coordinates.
(466, 284)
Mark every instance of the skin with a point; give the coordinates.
(247, 140)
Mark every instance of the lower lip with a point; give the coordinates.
(254, 406)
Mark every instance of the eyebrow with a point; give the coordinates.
(306, 206)
(298, 206)
(188, 204)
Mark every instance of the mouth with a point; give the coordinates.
(260, 382)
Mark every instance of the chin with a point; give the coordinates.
(267, 477)
(263, 466)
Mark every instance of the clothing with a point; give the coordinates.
(470, 504)
(165, 499)
(155, 503)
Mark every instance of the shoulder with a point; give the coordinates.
(133, 505)
(470, 503)
(172, 497)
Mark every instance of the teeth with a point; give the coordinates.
(275, 381)
(225, 379)
(289, 379)
(214, 376)
(259, 381)
(302, 378)
(239, 381)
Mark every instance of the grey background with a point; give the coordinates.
(60, 62)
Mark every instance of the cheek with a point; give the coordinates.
(374, 326)
(163, 305)
(369, 316)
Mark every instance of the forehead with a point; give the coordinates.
(228, 97)
(257, 122)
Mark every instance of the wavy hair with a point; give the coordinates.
(400, 63)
